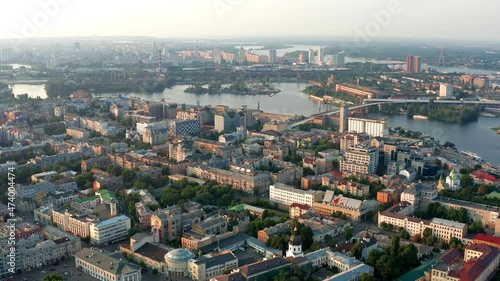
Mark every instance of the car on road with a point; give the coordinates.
(43, 272)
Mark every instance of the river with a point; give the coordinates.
(474, 136)
(289, 101)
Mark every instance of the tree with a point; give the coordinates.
(403, 233)
(476, 227)
(53, 277)
(427, 232)
(357, 250)
(367, 277)
(348, 232)
(466, 181)
(395, 246)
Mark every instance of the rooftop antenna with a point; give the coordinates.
(441, 58)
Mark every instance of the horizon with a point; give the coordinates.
(378, 20)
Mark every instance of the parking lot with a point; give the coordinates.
(65, 268)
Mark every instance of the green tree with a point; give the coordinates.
(53, 277)
(367, 277)
(395, 246)
(466, 181)
(357, 250)
(476, 227)
(348, 232)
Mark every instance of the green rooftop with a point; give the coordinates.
(418, 272)
(106, 195)
(237, 208)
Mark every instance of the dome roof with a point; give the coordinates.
(295, 240)
(179, 255)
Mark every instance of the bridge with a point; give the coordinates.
(490, 102)
(304, 121)
(31, 82)
(372, 102)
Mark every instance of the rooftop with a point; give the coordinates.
(104, 261)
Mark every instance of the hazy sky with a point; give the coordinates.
(455, 19)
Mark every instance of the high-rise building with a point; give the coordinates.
(217, 56)
(338, 59)
(321, 55)
(360, 160)
(302, 58)
(5, 54)
(77, 46)
(344, 117)
(272, 56)
(311, 56)
(445, 90)
(242, 55)
(413, 64)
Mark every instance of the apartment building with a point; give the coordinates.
(247, 181)
(360, 160)
(77, 133)
(287, 195)
(479, 262)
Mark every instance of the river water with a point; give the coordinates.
(289, 101)
(474, 136)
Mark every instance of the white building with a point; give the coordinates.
(110, 230)
(311, 56)
(445, 90)
(102, 266)
(285, 194)
(360, 160)
(321, 55)
(374, 128)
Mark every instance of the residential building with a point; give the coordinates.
(360, 160)
(413, 64)
(445, 90)
(77, 133)
(245, 180)
(479, 262)
(287, 195)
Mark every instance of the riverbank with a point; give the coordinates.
(459, 115)
(234, 89)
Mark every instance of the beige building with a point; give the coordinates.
(77, 133)
(443, 229)
(243, 180)
(210, 266)
(102, 266)
(330, 204)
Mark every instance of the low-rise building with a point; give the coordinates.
(287, 195)
(351, 208)
(103, 266)
(209, 266)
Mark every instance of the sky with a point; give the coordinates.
(445, 19)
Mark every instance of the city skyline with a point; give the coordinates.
(231, 18)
